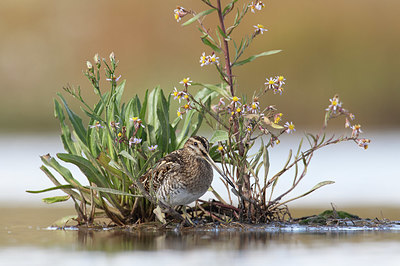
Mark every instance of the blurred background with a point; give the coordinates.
(348, 47)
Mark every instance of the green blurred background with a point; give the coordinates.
(349, 47)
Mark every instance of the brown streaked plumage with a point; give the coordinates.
(182, 176)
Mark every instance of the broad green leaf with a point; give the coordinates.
(113, 191)
(65, 131)
(55, 182)
(163, 119)
(104, 160)
(119, 91)
(199, 15)
(125, 154)
(91, 173)
(56, 199)
(251, 58)
(64, 172)
(219, 135)
(76, 121)
(49, 189)
(204, 96)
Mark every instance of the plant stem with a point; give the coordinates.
(228, 67)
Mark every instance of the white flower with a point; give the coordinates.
(203, 60)
(289, 127)
(259, 28)
(252, 7)
(356, 131)
(335, 104)
(134, 140)
(213, 59)
(96, 125)
(280, 80)
(179, 13)
(271, 83)
(259, 5)
(179, 113)
(186, 82)
(113, 78)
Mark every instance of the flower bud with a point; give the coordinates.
(89, 65)
(112, 57)
(96, 59)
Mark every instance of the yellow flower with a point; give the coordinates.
(186, 81)
(179, 114)
(235, 100)
(277, 118)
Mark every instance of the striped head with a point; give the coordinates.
(197, 145)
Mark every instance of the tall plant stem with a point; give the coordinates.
(228, 67)
(243, 177)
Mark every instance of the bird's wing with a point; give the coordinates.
(166, 166)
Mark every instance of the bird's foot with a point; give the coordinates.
(160, 215)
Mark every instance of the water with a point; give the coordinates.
(365, 181)
(30, 238)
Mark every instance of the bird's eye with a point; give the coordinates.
(195, 144)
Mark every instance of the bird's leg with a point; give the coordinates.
(186, 216)
(162, 209)
(160, 214)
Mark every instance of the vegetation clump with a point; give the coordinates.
(122, 140)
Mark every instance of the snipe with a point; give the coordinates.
(182, 176)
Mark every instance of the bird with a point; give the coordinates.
(182, 176)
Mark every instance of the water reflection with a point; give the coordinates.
(218, 240)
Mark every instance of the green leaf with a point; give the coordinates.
(55, 182)
(125, 154)
(196, 17)
(104, 160)
(265, 161)
(317, 186)
(229, 8)
(203, 95)
(64, 172)
(251, 58)
(219, 89)
(213, 46)
(113, 191)
(50, 189)
(219, 135)
(56, 199)
(227, 38)
(76, 121)
(87, 168)
(119, 90)
(65, 131)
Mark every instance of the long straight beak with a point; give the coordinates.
(220, 171)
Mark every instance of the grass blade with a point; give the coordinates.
(198, 16)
